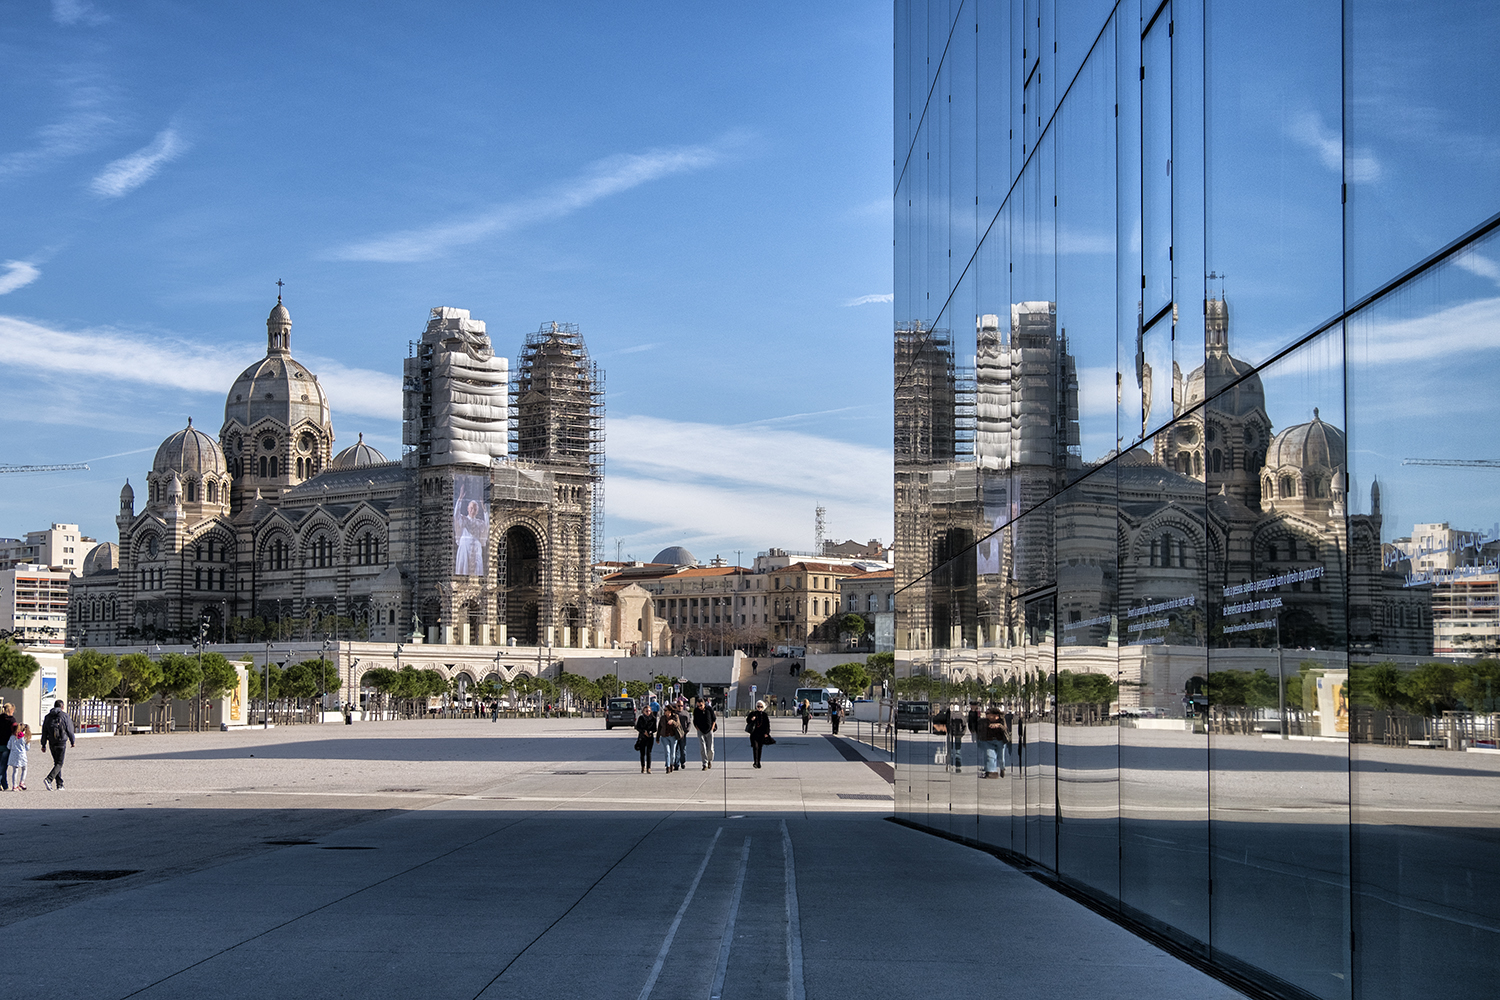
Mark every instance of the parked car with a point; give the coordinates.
(915, 716)
(621, 712)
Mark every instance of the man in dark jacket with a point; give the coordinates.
(705, 721)
(7, 730)
(56, 728)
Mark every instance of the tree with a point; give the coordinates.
(92, 674)
(219, 676)
(850, 678)
(139, 676)
(637, 689)
(1085, 688)
(1377, 685)
(881, 666)
(16, 668)
(179, 676)
(810, 678)
(852, 624)
(609, 686)
(1479, 686)
(1430, 687)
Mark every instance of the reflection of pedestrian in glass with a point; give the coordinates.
(758, 725)
(469, 531)
(994, 738)
(835, 714)
(956, 739)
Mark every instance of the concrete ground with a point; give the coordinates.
(525, 858)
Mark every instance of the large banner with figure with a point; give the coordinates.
(471, 525)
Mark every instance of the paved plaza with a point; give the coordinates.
(524, 858)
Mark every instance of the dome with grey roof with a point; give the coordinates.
(676, 555)
(357, 456)
(190, 452)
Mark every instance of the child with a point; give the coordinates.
(19, 743)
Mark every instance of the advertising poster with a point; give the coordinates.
(471, 525)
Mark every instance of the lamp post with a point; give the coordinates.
(322, 676)
(198, 712)
(265, 707)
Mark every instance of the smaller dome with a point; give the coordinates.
(102, 557)
(279, 315)
(676, 555)
(127, 494)
(357, 456)
(1313, 445)
(189, 451)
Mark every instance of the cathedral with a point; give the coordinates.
(481, 533)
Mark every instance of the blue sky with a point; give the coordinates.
(704, 189)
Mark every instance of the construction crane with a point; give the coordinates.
(1467, 463)
(44, 468)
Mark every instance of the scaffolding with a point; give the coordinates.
(557, 412)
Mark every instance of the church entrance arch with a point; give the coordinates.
(520, 582)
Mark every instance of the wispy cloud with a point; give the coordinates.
(162, 362)
(865, 300)
(1309, 129)
(1478, 264)
(77, 12)
(635, 349)
(609, 176)
(130, 172)
(18, 274)
(83, 127)
(1445, 336)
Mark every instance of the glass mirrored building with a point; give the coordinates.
(1197, 395)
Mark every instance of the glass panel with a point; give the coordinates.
(962, 82)
(1278, 667)
(1422, 131)
(1424, 623)
(1156, 165)
(1163, 668)
(1078, 23)
(1273, 94)
(1088, 757)
(1086, 259)
(993, 108)
(1129, 393)
(1036, 720)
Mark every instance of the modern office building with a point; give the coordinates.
(1197, 306)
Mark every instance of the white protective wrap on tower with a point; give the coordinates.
(469, 390)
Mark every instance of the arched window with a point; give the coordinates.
(322, 552)
(213, 491)
(1156, 551)
(1216, 461)
(1197, 463)
(263, 466)
(273, 466)
(192, 491)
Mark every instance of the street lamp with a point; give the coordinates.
(198, 713)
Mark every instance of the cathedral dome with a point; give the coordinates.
(277, 387)
(1313, 445)
(676, 555)
(357, 456)
(189, 451)
(101, 558)
(1217, 371)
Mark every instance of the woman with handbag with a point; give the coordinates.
(758, 725)
(645, 727)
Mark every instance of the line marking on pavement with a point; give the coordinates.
(666, 945)
(717, 989)
(794, 987)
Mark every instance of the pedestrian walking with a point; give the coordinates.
(56, 728)
(758, 725)
(994, 737)
(669, 731)
(805, 710)
(19, 744)
(956, 729)
(7, 730)
(835, 714)
(645, 727)
(706, 722)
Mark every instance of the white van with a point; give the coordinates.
(817, 698)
